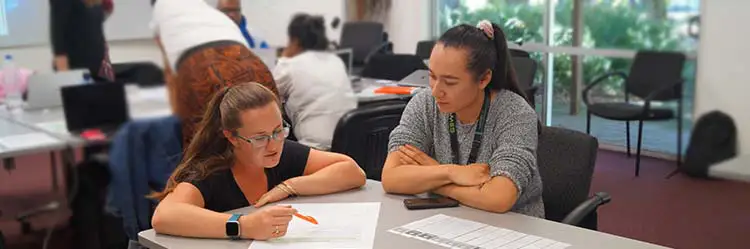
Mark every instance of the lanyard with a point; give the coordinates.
(477, 132)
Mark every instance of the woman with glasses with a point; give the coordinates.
(239, 158)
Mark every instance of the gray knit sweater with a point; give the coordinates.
(508, 144)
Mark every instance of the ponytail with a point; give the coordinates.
(207, 152)
(504, 73)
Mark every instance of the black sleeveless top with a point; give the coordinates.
(221, 193)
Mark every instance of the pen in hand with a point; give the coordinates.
(306, 218)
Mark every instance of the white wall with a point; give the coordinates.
(39, 57)
(723, 81)
(268, 19)
(408, 23)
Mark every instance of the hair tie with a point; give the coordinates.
(486, 27)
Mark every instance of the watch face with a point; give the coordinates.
(233, 229)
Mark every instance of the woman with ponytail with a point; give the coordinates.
(313, 82)
(473, 137)
(239, 157)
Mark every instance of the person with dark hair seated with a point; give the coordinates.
(313, 82)
(473, 136)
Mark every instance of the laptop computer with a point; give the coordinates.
(418, 78)
(44, 89)
(100, 106)
(268, 56)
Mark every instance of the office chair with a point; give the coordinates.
(424, 49)
(365, 39)
(654, 76)
(363, 133)
(566, 160)
(526, 69)
(392, 66)
(142, 73)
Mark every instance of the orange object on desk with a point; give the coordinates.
(395, 90)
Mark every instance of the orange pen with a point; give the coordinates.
(306, 218)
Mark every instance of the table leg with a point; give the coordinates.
(53, 165)
(9, 164)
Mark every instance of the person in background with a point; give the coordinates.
(77, 33)
(313, 82)
(473, 137)
(203, 52)
(233, 9)
(239, 158)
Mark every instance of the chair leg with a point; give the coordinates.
(679, 134)
(627, 134)
(588, 122)
(679, 140)
(638, 150)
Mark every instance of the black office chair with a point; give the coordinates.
(424, 49)
(363, 135)
(142, 73)
(526, 69)
(365, 39)
(654, 76)
(392, 66)
(566, 160)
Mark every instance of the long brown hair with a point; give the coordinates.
(209, 151)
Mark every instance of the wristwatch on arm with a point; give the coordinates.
(233, 227)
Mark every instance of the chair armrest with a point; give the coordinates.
(376, 49)
(651, 96)
(598, 81)
(586, 208)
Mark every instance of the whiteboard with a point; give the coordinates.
(27, 22)
(130, 20)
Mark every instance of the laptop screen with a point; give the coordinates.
(101, 105)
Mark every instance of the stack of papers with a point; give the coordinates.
(453, 232)
(340, 225)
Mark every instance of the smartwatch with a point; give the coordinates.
(233, 227)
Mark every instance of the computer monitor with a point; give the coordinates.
(346, 55)
(102, 106)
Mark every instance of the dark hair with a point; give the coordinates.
(209, 151)
(309, 31)
(485, 54)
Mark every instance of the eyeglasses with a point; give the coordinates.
(261, 141)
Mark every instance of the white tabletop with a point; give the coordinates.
(10, 130)
(393, 214)
(737, 169)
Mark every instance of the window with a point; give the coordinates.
(612, 31)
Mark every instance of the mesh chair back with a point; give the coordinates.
(362, 38)
(363, 135)
(566, 160)
(424, 49)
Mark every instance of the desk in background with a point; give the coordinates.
(393, 214)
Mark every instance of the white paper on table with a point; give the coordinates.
(454, 232)
(26, 141)
(340, 225)
(57, 127)
(157, 113)
(153, 93)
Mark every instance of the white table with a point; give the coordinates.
(737, 169)
(393, 214)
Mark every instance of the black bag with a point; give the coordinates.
(714, 139)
